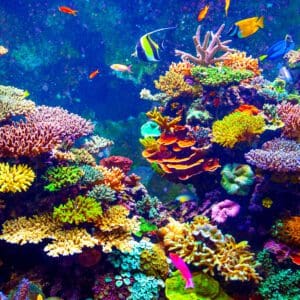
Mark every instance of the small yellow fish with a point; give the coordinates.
(246, 27)
(202, 13)
(26, 93)
(267, 202)
(227, 4)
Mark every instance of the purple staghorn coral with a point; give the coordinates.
(279, 155)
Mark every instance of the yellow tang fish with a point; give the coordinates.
(246, 27)
(227, 4)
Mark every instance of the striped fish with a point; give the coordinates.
(146, 49)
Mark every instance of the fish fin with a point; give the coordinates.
(189, 283)
(161, 29)
(263, 57)
(260, 22)
(74, 13)
(129, 69)
(233, 30)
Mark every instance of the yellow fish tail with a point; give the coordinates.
(263, 57)
(260, 22)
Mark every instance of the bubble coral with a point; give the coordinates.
(116, 229)
(15, 178)
(237, 127)
(205, 288)
(79, 210)
(237, 179)
(288, 230)
(154, 262)
(62, 177)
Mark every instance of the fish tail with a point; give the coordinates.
(260, 22)
(74, 13)
(129, 69)
(263, 57)
(189, 283)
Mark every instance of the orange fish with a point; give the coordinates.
(94, 74)
(67, 10)
(202, 13)
(295, 258)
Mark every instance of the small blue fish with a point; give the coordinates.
(279, 49)
(146, 49)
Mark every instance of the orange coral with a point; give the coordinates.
(164, 122)
(183, 68)
(250, 109)
(178, 155)
(288, 230)
(113, 177)
(240, 61)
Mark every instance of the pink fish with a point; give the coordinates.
(179, 263)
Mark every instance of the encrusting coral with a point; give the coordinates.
(15, 178)
(237, 127)
(79, 210)
(203, 244)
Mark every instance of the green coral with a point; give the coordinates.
(214, 76)
(90, 174)
(237, 179)
(205, 288)
(102, 192)
(79, 210)
(61, 177)
(145, 227)
(283, 285)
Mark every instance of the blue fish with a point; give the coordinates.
(146, 49)
(279, 49)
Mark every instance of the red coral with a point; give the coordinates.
(120, 162)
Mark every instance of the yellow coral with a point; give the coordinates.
(154, 262)
(204, 245)
(150, 143)
(15, 178)
(116, 228)
(113, 177)
(240, 61)
(237, 127)
(39, 227)
(164, 122)
(173, 84)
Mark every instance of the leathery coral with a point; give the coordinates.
(15, 178)
(237, 127)
(116, 229)
(39, 227)
(204, 245)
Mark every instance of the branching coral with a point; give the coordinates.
(280, 155)
(206, 52)
(13, 102)
(82, 156)
(81, 209)
(165, 123)
(116, 229)
(95, 144)
(289, 114)
(102, 192)
(15, 178)
(61, 177)
(37, 228)
(240, 61)
(237, 127)
(293, 58)
(90, 174)
(113, 177)
(204, 245)
(216, 76)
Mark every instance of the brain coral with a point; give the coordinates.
(16, 178)
(237, 127)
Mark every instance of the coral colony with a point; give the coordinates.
(218, 125)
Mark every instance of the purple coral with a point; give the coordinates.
(279, 155)
(222, 210)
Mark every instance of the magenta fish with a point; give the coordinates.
(179, 263)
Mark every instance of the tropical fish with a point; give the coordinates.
(246, 27)
(67, 10)
(121, 68)
(94, 74)
(285, 75)
(26, 93)
(279, 49)
(185, 197)
(39, 297)
(146, 49)
(186, 274)
(202, 13)
(227, 4)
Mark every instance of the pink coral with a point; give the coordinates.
(289, 114)
(120, 162)
(66, 125)
(222, 210)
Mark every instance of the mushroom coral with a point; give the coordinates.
(178, 154)
(15, 178)
(204, 245)
(237, 127)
